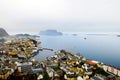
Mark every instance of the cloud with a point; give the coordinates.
(65, 15)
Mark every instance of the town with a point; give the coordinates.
(18, 63)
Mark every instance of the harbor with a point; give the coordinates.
(17, 58)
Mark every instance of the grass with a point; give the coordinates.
(102, 72)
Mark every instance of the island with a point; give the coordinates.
(74, 34)
(51, 32)
(118, 35)
(22, 35)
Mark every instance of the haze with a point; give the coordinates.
(32, 16)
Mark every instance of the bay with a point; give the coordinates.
(103, 48)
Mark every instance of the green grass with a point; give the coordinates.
(102, 72)
(46, 76)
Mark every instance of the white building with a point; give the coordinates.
(115, 71)
(24, 67)
(118, 72)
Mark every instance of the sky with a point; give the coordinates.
(32, 16)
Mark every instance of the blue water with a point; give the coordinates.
(100, 48)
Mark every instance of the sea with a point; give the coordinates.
(99, 47)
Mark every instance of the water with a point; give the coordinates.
(95, 47)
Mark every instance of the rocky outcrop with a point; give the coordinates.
(3, 33)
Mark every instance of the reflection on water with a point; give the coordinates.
(44, 54)
(102, 48)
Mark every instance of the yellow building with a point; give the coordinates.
(14, 53)
(5, 75)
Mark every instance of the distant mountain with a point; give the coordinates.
(51, 33)
(3, 33)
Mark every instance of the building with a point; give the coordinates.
(4, 74)
(112, 69)
(24, 67)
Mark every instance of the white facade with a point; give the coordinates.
(23, 64)
(115, 71)
(105, 67)
(79, 78)
(118, 72)
(109, 69)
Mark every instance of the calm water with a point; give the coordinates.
(101, 48)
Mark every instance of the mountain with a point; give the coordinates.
(50, 32)
(3, 33)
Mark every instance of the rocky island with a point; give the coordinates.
(118, 35)
(50, 33)
(74, 34)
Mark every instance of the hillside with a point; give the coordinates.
(3, 32)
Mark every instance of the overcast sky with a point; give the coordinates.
(32, 16)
